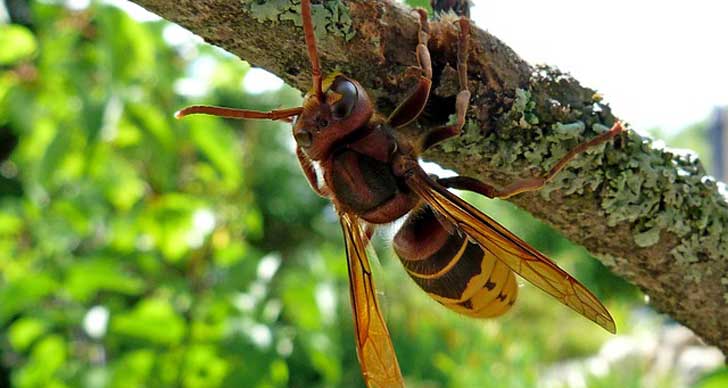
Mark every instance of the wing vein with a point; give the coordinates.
(515, 253)
(374, 347)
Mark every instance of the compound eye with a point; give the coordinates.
(349, 97)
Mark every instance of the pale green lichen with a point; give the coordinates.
(522, 134)
(608, 260)
(647, 238)
(329, 17)
(663, 191)
(655, 190)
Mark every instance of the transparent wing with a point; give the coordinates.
(520, 257)
(374, 347)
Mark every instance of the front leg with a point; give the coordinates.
(310, 174)
(412, 106)
(462, 101)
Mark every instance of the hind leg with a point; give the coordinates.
(528, 184)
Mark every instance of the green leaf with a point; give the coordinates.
(17, 43)
(230, 254)
(279, 372)
(170, 223)
(420, 3)
(716, 379)
(130, 45)
(9, 223)
(203, 368)
(134, 369)
(156, 122)
(299, 301)
(48, 356)
(24, 331)
(86, 278)
(121, 184)
(210, 322)
(152, 320)
(24, 293)
(219, 146)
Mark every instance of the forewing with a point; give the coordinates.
(523, 259)
(374, 347)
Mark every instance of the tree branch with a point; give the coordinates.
(650, 214)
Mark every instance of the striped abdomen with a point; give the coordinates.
(452, 270)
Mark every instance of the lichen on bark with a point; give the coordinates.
(331, 16)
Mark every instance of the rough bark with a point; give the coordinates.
(650, 214)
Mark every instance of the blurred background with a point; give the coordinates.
(141, 251)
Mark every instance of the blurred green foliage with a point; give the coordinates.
(717, 379)
(142, 251)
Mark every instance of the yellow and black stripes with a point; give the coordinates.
(452, 270)
(494, 299)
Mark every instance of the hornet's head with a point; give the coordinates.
(341, 108)
(331, 110)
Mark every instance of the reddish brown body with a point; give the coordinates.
(462, 258)
(361, 179)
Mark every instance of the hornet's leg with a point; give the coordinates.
(528, 184)
(462, 101)
(310, 173)
(412, 106)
